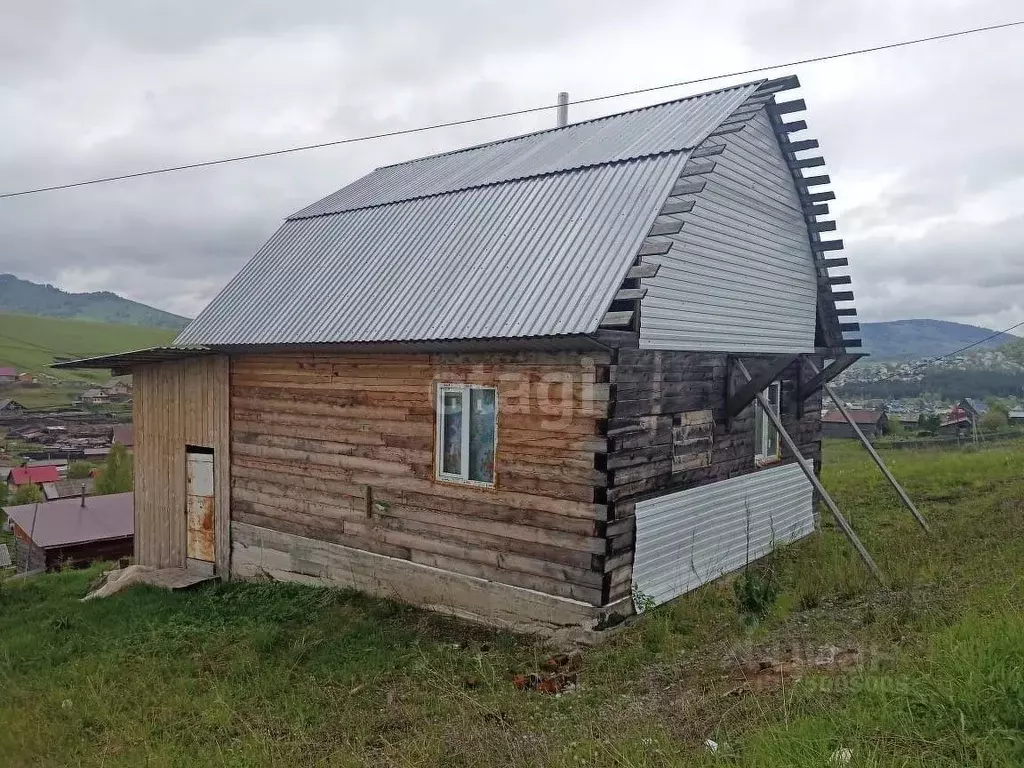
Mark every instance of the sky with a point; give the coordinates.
(922, 143)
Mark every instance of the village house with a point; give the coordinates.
(94, 396)
(73, 532)
(66, 489)
(531, 382)
(19, 476)
(8, 375)
(10, 407)
(871, 423)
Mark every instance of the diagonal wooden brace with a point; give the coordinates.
(744, 396)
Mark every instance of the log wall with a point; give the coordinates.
(654, 397)
(340, 449)
(176, 404)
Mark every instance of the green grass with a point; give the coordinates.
(31, 343)
(272, 674)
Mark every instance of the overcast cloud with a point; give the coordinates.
(923, 144)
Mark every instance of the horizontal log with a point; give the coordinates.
(630, 294)
(822, 226)
(697, 168)
(655, 247)
(639, 271)
(787, 83)
(842, 296)
(820, 197)
(851, 343)
(849, 327)
(793, 127)
(665, 228)
(840, 280)
(807, 162)
(687, 187)
(617, 319)
(799, 146)
(827, 245)
(816, 210)
(788, 107)
(846, 311)
(814, 181)
(839, 261)
(707, 150)
(676, 206)
(728, 127)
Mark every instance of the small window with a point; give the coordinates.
(766, 436)
(466, 432)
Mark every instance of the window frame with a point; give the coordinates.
(761, 455)
(462, 477)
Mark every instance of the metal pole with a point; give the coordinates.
(874, 454)
(808, 470)
(562, 115)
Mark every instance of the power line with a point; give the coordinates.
(514, 113)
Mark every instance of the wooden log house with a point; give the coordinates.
(502, 382)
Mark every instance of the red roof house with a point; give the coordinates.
(37, 475)
(871, 423)
(8, 374)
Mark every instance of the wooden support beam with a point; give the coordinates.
(630, 294)
(787, 83)
(840, 280)
(841, 261)
(697, 167)
(807, 162)
(842, 295)
(642, 270)
(820, 197)
(726, 128)
(846, 311)
(808, 470)
(853, 343)
(707, 150)
(828, 245)
(829, 372)
(822, 226)
(815, 181)
(676, 206)
(873, 453)
(617, 319)
(816, 210)
(787, 107)
(687, 187)
(655, 247)
(849, 327)
(665, 228)
(799, 146)
(796, 125)
(744, 396)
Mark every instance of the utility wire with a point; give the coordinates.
(514, 113)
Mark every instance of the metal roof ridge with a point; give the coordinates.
(570, 125)
(499, 182)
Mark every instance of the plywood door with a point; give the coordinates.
(201, 510)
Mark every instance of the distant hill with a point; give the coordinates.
(908, 339)
(31, 344)
(27, 298)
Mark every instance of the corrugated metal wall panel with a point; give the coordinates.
(661, 128)
(740, 276)
(539, 257)
(689, 538)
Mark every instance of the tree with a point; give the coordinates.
(894, 427)
(994, 420)
(27, 493)
(3, 494)
(116, 475)
(79, 470)
(928, 422)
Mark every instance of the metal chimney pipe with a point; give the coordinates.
(562, 118)
(83, 494)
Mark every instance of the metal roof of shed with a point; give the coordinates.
(525, 237)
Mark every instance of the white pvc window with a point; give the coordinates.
(467, 419)
(766, 437)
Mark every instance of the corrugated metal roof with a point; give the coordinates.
(669, 127)
(542, 256)
(66, 521)
(137, 357)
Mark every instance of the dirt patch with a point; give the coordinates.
(760, 672)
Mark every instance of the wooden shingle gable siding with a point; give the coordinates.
(341, 449)
(740, 273)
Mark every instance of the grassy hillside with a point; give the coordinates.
(28, 298)
(31, 343)
(905, 339)
(927, 672)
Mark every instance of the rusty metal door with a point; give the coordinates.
(200, 506)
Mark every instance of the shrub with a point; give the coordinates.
(79, 470)
(756, 591)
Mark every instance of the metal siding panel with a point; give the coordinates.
(538, 257)
(740, 276)
(676, 125)
(686, 539)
